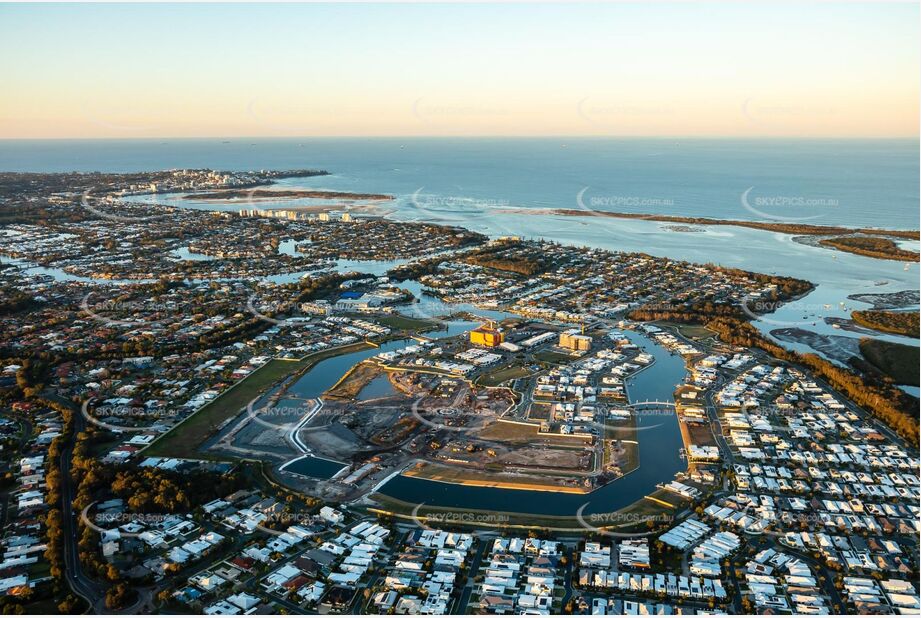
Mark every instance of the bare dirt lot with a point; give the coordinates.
(700, 434)
(334, 441)
(528, 434)
(352, 383)
(542, 457)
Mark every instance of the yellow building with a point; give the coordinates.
(572, 341)
(487, 336)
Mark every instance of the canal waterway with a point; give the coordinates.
(660, 446)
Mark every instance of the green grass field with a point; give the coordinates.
(553, 358)
(401, 322)
(501, 375)
(625, 432)
(690, 331)
(184, 439)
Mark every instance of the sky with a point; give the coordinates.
(652, 69)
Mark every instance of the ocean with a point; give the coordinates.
(505, 186)
(833, 182)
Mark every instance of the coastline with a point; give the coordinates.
(284, 194)
(875, 243)
(784, 228)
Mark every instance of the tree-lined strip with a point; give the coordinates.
(896, 322)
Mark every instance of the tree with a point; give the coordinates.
(118, 596)
(112, 573)
(68, 605)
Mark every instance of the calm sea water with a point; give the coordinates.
(846, 182)
(500, 186)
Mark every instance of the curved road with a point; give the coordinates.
(82, 585)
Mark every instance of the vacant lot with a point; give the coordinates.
(700, 434)
(354, 381)
(621, 447)
(528, 434)
(650, 513)
(481, 478)
(554, 358)
(539, 411)
(501, 375)
(561, 459)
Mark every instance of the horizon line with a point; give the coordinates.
(461, 137)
